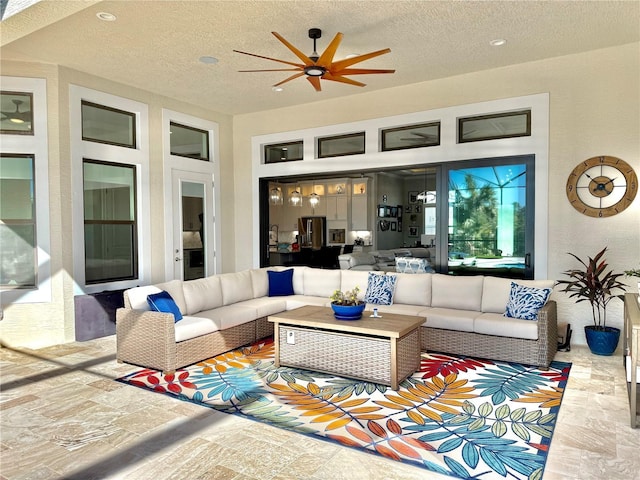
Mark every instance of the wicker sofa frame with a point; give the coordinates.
(538, 352)
(159, 349)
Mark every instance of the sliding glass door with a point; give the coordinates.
(490, 217)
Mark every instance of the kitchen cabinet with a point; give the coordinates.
(359, 213)
(337, 207)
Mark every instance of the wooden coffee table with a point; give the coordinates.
(382, 350)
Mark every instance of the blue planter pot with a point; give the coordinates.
(602, 342)
(348, 312)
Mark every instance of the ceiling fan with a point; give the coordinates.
(17, 116)
(317, 67)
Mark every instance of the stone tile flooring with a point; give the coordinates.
(63, 417)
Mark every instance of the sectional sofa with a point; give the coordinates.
(463, 315)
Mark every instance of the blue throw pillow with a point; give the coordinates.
(280, 283)
(380, 289)
(524, 302)
(163, 302)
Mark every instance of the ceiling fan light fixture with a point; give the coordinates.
(315, 71)
(17, 117)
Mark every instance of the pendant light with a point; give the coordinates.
(295, 199)
(314, 198)
(275, 195)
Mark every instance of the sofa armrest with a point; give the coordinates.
(548, 331)
(146, 338)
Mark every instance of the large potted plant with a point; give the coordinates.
(596, 284)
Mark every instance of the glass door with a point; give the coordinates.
(490, 217)
(193, 230)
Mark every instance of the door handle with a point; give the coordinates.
(527, 260)
(178, 259)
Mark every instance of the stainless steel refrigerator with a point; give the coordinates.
(312, 232)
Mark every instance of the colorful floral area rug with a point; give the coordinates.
(458, 416)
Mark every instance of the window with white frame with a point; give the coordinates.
(25, 269)
(17, 222)
(111, 251)
(110, 170)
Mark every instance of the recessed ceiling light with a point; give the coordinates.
(277, 89)
(106, 16)
(209, 60)
(498, 42)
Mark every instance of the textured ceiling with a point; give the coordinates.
(155, 44)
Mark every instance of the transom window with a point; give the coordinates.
(108, 125)
(16, 113)
(189, 141)
(110, 228)
(283, 152)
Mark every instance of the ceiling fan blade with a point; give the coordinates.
(269, 58)
(307, 61)
(341, 79)
(360, 71)
(292, 77)
(327, 56)
(342, 64)
(315, 81)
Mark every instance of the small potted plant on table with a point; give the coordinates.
(346, 305)
(595, 284)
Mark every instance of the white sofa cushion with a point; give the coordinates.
(265, 306)
(138, 296)
(495, 292)
(499, 325)
(413, 289)
(192, 327)
(463, 293)
(450, 319)
(321, 283)
(349, 279)
(230, 315)
(236, 287)
(202, 294)
(259, 282)
(175, 289)
(297, 301)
